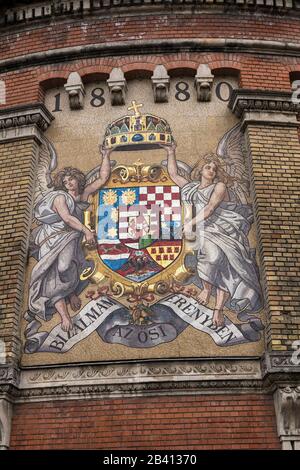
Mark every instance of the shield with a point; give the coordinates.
(139, 230)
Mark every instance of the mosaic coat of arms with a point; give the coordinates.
(156, 248)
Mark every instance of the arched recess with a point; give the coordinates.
(51, 81)
(90, 77)
(138, 73)
(223, 72)
(182, 71)
(229, 71)
(138, 70)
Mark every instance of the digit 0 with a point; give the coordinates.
(220, 90)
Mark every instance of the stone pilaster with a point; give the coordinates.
(269, 120)
(20, 136)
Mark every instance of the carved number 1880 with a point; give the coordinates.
(182, 93)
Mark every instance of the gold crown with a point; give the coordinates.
(137, 131)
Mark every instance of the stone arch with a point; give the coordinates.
(51, 80)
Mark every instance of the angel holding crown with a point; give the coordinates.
(57, 240)
(226, 265)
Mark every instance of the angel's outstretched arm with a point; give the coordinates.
(104, 175)
(172, 166)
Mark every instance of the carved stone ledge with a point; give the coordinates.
(280, 363)
(145, 372)
(9, 375)
(138, 389)
(24, 121)
(158, 377)
(264, 107)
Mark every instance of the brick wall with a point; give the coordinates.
(28, 85)
(17, 168)
(104, 29)
(275, 161)
(24, 85)
(173, 422)
(169, 422)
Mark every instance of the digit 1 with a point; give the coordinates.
(161, 329)
(57, 104)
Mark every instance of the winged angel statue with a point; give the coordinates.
(56, 240)
(217, 188)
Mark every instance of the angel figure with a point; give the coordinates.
(57, 239)
(217, 188)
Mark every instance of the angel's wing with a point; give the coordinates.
(94, 174)
(47, 163)
(184, 169)
(231, 151)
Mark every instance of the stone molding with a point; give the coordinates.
(142, 372)
(278, 363)
(264, 107)
(74, 392)
(54, 8)
(157, 377)
(9, 375)
(27, 121)
(151, 46)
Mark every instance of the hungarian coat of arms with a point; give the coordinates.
(149, 244)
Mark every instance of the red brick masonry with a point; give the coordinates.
(165, 422)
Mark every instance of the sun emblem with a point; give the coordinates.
(110, 197)
(114, 215)
(128, 197)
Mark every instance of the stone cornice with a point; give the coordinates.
(279, 363)
(261, 100)
(264, 107)
(9, 376)
(153, 371)
(26, 121)
(26, 115)
(132, 379)
(222, 375)
(151, 46)
(14, 12)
